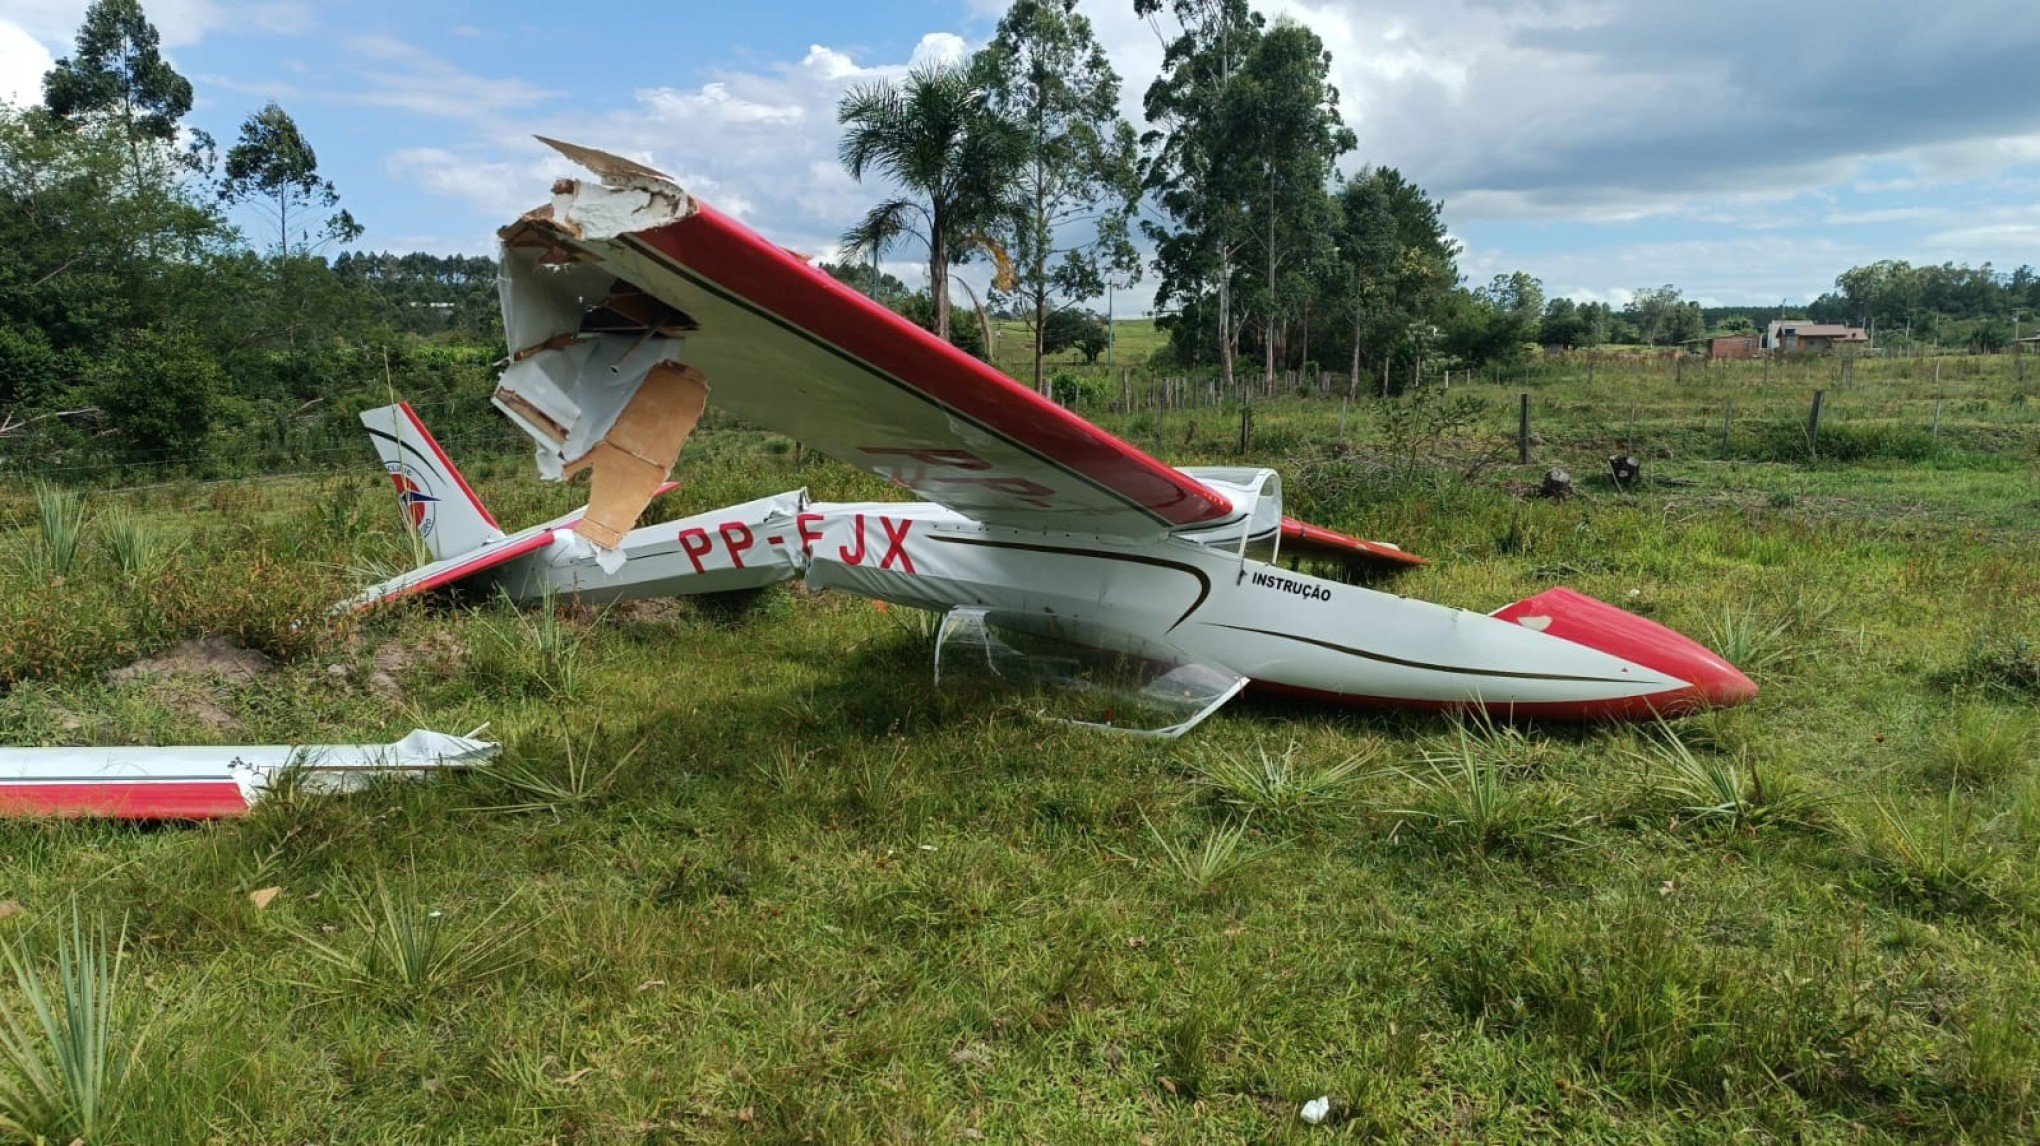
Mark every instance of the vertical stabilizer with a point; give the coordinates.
(435, 499)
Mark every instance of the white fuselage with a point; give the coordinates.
(1264, 622)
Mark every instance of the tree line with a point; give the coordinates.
(1265, 258)
(159, 285)
(136, 314)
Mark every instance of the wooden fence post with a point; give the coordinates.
(1813, 425)
(1523, 432)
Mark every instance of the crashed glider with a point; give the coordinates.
(627, 302)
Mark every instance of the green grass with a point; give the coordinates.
(748, 873)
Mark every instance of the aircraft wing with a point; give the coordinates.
(609, 268)
(1317, 541)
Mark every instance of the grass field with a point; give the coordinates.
(743, 872)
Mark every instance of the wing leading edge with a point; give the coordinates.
(784, 345)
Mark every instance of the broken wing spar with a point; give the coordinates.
(628, 301)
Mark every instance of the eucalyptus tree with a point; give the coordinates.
(273, 166)
(1079, 183)
(1281, 116)
(117, 74)
(1189, 165)
(1395, 261)
(936, 135)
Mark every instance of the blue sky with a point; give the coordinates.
(1603, 145)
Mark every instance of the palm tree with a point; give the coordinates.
(935, 135)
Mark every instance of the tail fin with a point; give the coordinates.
(436, 500)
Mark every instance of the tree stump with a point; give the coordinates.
(1557, 483)
(1625, 469)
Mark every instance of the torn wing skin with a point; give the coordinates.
(1088, 675)
(784, 345)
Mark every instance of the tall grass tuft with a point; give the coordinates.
(60, 518)
(405, 952)
(1983, 748)
(67, 1067)
(1750, 644)
(1470, 798)
(534, 650)
(1938, 866)
(1713, 790)
(588, 776)
(1202, 867)
(1281, 786)
(2003, 663)
(135, 546)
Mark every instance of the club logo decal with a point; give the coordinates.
(414, 493)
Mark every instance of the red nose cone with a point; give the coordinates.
(1576, 617)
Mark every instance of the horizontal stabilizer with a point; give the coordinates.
(491, 555)
(440, 574)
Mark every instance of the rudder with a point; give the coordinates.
(437, 502)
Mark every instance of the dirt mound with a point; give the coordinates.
(440, 652)
(206, 657)
(197, 704)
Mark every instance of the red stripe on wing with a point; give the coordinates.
(488, 559)
(126, 799)
(740, 262)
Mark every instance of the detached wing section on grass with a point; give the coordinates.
(202, 783)
(615, 290)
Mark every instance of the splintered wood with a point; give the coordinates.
(626, 468)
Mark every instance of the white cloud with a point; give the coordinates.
(1624, 109)
(715, 101)
(758, 144)
(500, 191)
(181, 22)
(414, 80)
(23, 60)
(1798, 154)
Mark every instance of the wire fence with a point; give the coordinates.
(1568, 409)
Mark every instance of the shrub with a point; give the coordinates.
(159, 391)
(1994, 662)
(1073, 389)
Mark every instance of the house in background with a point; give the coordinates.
(1732, 346)
(1786, 336)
